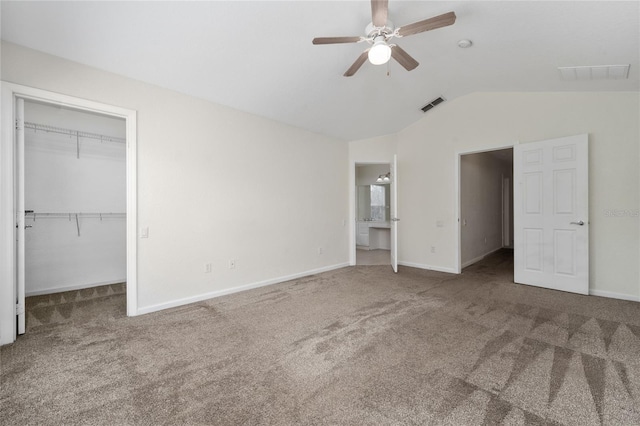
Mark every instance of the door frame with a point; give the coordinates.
(353, 229)
(458, 228)
(8, 275)
(507, 184)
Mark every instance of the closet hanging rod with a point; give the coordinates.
(36, 215)
(71, 216)
(75, 133)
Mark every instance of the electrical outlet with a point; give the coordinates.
(144, 232)
(320, 250)
(433, 249)
(207, 267)
(232, 264)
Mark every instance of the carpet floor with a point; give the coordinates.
(354, 346)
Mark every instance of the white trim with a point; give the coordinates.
(352, 213)
(612, 295)
(218, 293)
(73, 287)
(457, 207)
(7, 221)
(132, 213)
(7, 213)
(429, 267)
(479, 258)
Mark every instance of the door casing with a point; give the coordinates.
(353, 227)
(8, 261)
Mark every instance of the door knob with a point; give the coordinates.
(394, 219)
(577, 223)
(28, 226)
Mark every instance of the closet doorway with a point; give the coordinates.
(70, 169)
(75, 212)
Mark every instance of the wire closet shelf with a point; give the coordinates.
(72, 216)
(74, 133)
(77, 134)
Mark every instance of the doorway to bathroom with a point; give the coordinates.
(373, 214)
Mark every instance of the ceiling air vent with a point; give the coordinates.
(600, 72)
(433, 103)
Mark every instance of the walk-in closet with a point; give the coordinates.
(75, 211)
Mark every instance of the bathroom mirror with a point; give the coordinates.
(373, 203)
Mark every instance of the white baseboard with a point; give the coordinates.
(612, 295)
(429, 267)
(479, 258)
(218, 293)
(72, 287)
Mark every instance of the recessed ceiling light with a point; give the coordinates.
(464, 43)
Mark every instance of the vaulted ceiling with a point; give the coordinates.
(257, 56)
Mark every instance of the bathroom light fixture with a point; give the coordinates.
(380, 52)
(386, 178)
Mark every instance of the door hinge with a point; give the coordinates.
(19, 308)
(19, 124)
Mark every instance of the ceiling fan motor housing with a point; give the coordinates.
(386, 31)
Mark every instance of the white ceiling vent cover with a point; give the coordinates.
(600, 72)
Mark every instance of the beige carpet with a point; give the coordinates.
(354, 346)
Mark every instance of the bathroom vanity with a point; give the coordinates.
(373, 235)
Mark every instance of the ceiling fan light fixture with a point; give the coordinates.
(380, 32)
(380, 52)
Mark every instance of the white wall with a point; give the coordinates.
(368, 174)
(214, 184)
(57, 259)
(380, 149)
(427, 152)
(481, 176)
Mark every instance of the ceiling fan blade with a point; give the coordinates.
(427, 25)
(379, 11)
(357, 64)
(403, 58)
(335, 40)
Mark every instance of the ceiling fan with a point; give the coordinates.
(380, 31)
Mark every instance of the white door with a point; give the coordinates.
(394, 213)
(551, 214)
(20, 222)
